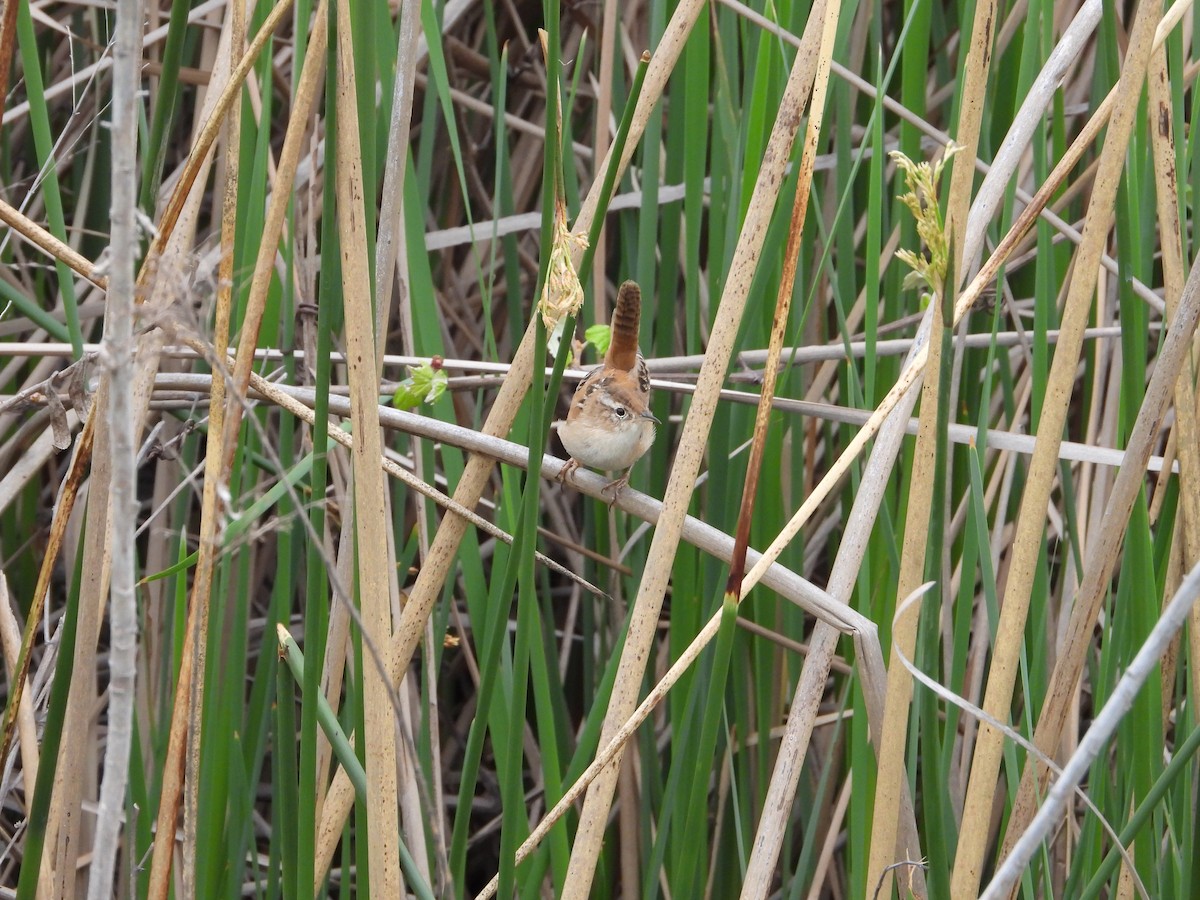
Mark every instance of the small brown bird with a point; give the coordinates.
(610, 426)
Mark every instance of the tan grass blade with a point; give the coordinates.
(173, 240)
(371, 523)
(215, 464)
(391, 263)
(1166, 184)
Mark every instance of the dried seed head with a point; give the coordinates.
(563, 294)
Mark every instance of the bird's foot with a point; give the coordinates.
(616, 486)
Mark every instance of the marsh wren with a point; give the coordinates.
(610, 426)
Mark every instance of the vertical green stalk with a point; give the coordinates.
(164, 105)
(317, 587)
(35, 833)
(39, 121)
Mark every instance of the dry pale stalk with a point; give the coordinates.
(122, 429)
(371, 523)
(173, 237)
(781, 791)
(307, 92)
(1166, 183)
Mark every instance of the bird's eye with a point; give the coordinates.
(620, 411)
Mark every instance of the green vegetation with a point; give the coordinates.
(406, 222)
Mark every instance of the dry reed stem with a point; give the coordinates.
(783, 304)
(833, 837)
(371, 523)
(1031, 518)
(391, 237)
(391, 262)
(49, 244)
(1039, 98)
(1103, 548)
(215, 465)
(1140, 670)
(122, 427)
(891, 779)
(1166, 185)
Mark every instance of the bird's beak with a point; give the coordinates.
(653, 418)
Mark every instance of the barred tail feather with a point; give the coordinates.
(623, 349)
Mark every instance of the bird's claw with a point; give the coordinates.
(571, 466)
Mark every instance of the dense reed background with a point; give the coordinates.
(209, 602)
